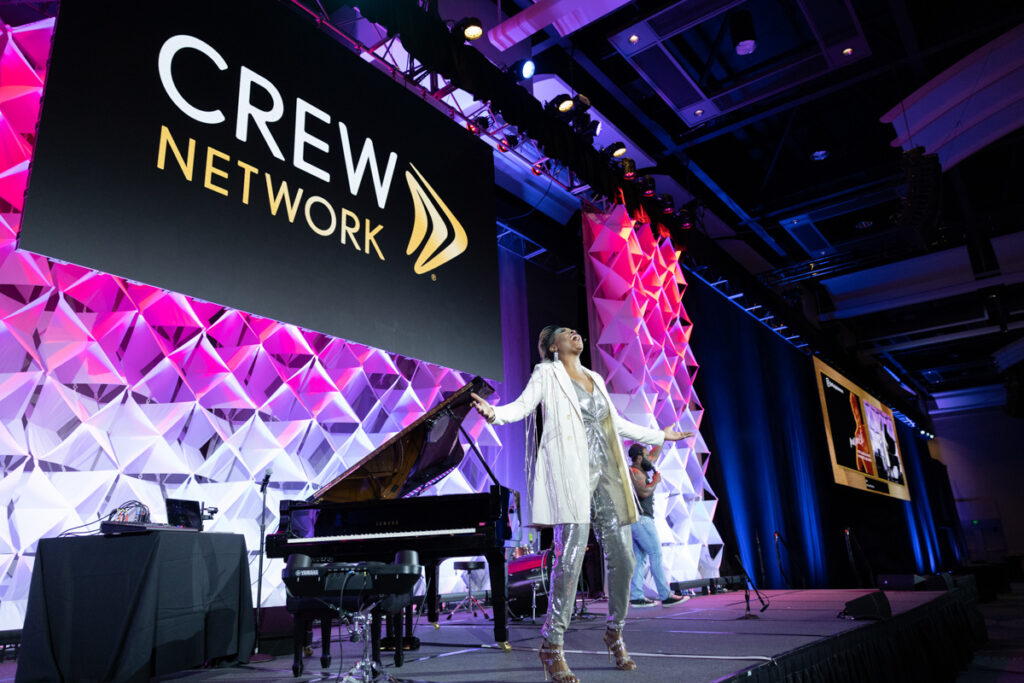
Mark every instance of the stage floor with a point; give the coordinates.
(702, 639)
(699, 640)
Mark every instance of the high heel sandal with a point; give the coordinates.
(554, 664)
(617, 649)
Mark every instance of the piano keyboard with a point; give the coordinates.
(390, 534)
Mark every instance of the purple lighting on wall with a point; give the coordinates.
(115, 390)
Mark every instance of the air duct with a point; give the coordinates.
(566, 15)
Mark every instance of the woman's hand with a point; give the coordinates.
(673, 435)
(483, 407)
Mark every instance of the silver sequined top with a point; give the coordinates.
(595, 412)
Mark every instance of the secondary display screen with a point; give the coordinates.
(861, 436)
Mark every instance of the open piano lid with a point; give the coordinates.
(416, 457)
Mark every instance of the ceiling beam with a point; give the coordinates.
(890, 303)
(943, 338)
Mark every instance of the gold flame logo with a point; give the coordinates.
(445, 239)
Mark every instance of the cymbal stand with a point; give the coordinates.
(582, 612)
(366, 670)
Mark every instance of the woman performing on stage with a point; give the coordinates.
(579, 479)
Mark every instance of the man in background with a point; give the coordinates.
(646, 544)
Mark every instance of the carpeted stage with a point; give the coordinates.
(930, 637)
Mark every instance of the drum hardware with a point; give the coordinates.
(529, 578)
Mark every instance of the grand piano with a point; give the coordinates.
(372, 510)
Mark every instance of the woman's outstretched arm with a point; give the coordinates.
(517, 409)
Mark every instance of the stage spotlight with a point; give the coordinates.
(668, 203)
(741, 28)
(628, 167)
(646, 185)
(581, 103)
(508, 142)
(468, 28)
(478, 125)
(586, 127)
(539, 167)
(523, 70)
(562, 104)
(616, 150)
(685, 218)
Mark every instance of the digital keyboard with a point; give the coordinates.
(120, 528)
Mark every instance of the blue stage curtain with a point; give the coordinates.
(763, 425)
(918, 510)
(771, 465)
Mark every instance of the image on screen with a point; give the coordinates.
(861, 436)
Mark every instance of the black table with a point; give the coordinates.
(126, 608)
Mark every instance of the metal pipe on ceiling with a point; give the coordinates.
(566, 15)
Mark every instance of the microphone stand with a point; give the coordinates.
(257, 655)
(778, 557)
(749, 583)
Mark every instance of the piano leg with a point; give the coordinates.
(499, 595)
(396, 619)
(298, 643)
(375, 635)
(430, 571)
(325, 642)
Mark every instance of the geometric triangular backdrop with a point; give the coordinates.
(640, 343)
(113, 391)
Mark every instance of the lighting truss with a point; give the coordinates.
(389, 56)
(744, 302)
(522, 246)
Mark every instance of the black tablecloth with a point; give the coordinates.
(125, 608)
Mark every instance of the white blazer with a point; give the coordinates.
(559, 490)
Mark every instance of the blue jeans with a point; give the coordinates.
(646, 544)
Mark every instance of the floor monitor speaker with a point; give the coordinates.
(900, 582)
(870, 606)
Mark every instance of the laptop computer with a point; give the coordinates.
(184, 513)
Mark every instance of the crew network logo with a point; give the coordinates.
(437, 235)
(441, 237)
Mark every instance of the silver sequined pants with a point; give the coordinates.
(569, 548)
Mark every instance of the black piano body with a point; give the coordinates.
(372, 510)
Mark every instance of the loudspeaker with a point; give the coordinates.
(937, 582)
(870, 606)
(277, 631)
(915, 582)
(900, 582)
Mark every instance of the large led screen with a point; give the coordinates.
(233, 152)
(861, 436)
